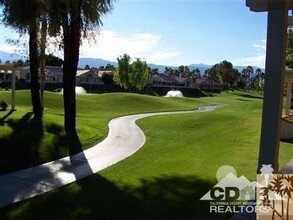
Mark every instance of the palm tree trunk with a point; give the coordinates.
(34, 63)
(71, 56)
(43, 59)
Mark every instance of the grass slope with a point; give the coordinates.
(26, 141)
(175, 168)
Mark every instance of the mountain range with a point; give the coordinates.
(95, 62)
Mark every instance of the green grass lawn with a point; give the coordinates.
(27, 142)
(164, 179)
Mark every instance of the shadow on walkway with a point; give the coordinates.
(76, 154)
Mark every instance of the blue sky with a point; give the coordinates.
(177, 32)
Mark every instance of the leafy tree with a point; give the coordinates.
(87, 67)
(107, 78)
(18, 63)
(109, 67)
(52, 60)
(197, 72)
(176, 72)
(248, 72)
(155, 71)
(139, 74)
(166, 71)
(123, 71)
(184, 71)
(101, 68)
(131, 76)
(241, 83)
(212, 73)
(181, 69)
(169, 71)
(227, 74)
(261, 84)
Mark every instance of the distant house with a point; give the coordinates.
(208, 84)
(163, 80)
(87, 77)
(176, 81)
(6, 73)
(184, 81)
(102, 72)
(53, 74)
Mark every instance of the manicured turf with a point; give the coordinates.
(26, 142)
(177, 166)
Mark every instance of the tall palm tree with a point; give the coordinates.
(27, 23)
(75, 17)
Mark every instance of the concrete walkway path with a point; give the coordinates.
(124, 139)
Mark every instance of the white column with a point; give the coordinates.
(273, 90)
(289, 96)
(13, 90)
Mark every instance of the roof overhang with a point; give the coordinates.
(265, 5)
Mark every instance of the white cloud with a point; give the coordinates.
(110, 45)
(260, 45)
(258, 59)
(8, 48)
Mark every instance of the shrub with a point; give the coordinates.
(3, 105)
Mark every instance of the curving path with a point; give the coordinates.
(124, 139)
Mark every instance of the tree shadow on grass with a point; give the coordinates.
(20, 148)
(243, 100)
(61, 141)
(250, 96)
(95, 197)
(2, 120)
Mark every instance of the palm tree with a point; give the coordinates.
(44, 30)
(76, 17)
(27, 23)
